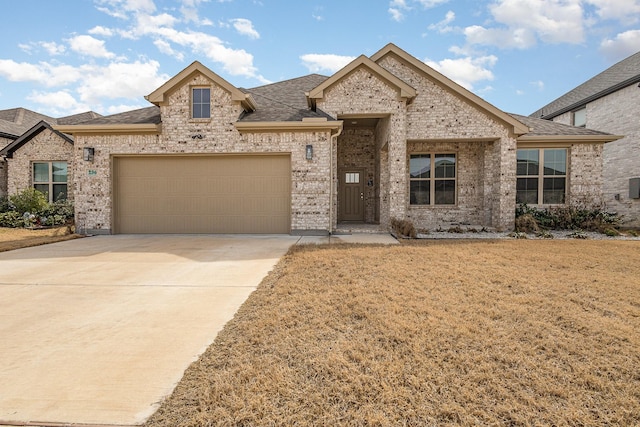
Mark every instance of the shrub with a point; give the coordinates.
(11, 219)
(567, 218)
(527, 224)
(57, 213)
(28, 200)
(403, 227)
(5, 206)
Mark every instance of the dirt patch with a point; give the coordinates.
(16, 238)
(428, 333)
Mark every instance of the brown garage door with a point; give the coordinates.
(202, 194)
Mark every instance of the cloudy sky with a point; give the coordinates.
(65, 57)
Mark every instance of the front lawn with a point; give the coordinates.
(16, 238)
(499, 333)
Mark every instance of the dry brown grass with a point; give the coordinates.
(501, 333)
(16, 238)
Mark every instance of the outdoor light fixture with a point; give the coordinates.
(87, 154)
(309, 152)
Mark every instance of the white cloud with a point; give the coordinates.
(317, 63)
(89, 46)
(116, 8)
(245, 27)
(101, 31)
(53, 48)
(43, 73)
(466, 71)
(625, 11)
(166, 48)
(59, 103)
(539, 84)
(396, 14)
(130, 80)
(623, 45)
(443, 26)
(526, 21)
(428, 4)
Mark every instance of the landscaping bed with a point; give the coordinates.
(455, 332)
(16, 238)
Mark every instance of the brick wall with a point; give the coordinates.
(310, 198)
(618, 113)
(46, 146)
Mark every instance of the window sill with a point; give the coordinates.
(433, 206)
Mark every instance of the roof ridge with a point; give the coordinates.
(288, 80)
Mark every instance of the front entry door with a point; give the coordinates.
(351, 195)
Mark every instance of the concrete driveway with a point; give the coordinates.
(99, 330)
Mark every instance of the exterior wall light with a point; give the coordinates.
(309, 152)
(87, 154)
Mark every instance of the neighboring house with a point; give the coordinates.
(610, 102)
(385, 137)
(36, 155)
(13, 123)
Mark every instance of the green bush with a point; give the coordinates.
(29, 200)
(11, 219)
(5, 206)
(30, 208)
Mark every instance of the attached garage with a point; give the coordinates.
(247, 194)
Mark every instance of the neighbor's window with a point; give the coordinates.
(541, 185)
(580, 117)
(50, 178)
(432, 179)
(201, 103)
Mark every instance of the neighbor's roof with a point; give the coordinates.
(618, 76)
(10, 148)
(16, 121)
(147, 115)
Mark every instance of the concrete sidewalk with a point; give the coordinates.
(99, 330)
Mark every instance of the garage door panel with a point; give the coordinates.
(203, 194)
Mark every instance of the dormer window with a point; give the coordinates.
(200, 103)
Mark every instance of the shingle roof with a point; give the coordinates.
(284, 101)
(16, 121)
(140, 116)
(618, 76)
(10, 148)
(541, 127)
(78, 118)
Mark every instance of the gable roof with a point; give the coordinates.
(285, 101)
(614, 78)
(445, 82)
(404, 90)
(159, 96)
(29, 135)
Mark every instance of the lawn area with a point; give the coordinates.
(16, 238)
(501, 333)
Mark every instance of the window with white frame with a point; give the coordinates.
(432, 179)
(50, 178)
(541, 176)
(579, 117)
(200, 103)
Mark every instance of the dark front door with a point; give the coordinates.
(351, 195)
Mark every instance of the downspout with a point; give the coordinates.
(331, 192)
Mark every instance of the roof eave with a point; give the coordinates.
(307, 124)
(573, 139)
(138, 128)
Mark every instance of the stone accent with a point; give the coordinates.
(46, 146)
(585, 175)
(310, 192)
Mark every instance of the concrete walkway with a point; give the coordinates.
(99, 330)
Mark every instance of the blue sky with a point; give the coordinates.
(65, 57)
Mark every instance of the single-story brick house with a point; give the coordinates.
(610, 102)
(36, 155)
(385, 137)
